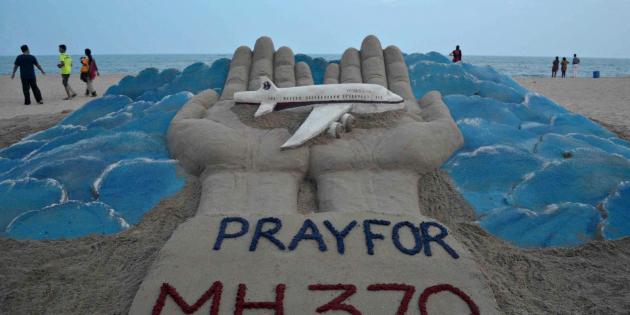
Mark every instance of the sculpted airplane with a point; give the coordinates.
(331, 103)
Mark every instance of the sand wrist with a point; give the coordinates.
(392, 191)
(250, 192)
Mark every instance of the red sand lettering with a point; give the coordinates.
(336, 304)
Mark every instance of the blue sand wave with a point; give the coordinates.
(536, 174)
(101, 168)
(72, 218)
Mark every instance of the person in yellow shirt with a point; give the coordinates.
(65, 65)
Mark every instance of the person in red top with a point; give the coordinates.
(456, 54)
(92, 72)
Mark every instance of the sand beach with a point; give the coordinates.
(401, 166)
(12, 100)
(100, 274)
(605, 100)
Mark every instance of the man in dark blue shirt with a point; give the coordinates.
(27, 63)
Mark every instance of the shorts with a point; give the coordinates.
(64, 79)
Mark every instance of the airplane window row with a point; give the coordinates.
(323, 97)
(360, 96)
(308, 98)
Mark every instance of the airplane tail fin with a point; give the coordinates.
(266, 84)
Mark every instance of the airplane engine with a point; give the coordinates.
(335, 130)
(347, 121)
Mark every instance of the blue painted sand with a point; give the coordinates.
(104, 166)
(536, 174)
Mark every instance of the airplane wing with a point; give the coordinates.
(317, 121)
(265, 108)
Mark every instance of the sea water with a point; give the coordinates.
(508, 65)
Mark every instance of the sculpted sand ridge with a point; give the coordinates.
(369, 176)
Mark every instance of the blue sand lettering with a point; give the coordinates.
(415, 231)
(369, 236)
(223, 230)
(268, 234)
(340, 236)
(427, 238)
(313, 235)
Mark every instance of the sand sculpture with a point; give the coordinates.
(248, 248)
(236, 161)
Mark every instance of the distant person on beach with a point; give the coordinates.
(27, 63)
(564, 65)
(85, 69)
(456, 54)
(554, 67)
(89, 65)
(65, 66)
(576, 63)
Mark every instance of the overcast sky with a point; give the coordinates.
(594, 28)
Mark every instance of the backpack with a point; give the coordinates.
(85, 67)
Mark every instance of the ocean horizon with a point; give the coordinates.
(509, 65)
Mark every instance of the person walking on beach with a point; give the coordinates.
(456, 54)
(554, 67)
(27, 63)
(564, 65)
(65, 65)
(92, 72)
(85, 69)
(576, 63)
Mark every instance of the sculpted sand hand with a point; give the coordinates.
(380, 167)
(242, 169)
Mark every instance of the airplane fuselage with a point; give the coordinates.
(332, 105)
(286, 98)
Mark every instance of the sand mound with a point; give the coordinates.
(589, 279)
(14, 129)
(100, 275)
(89, 275)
